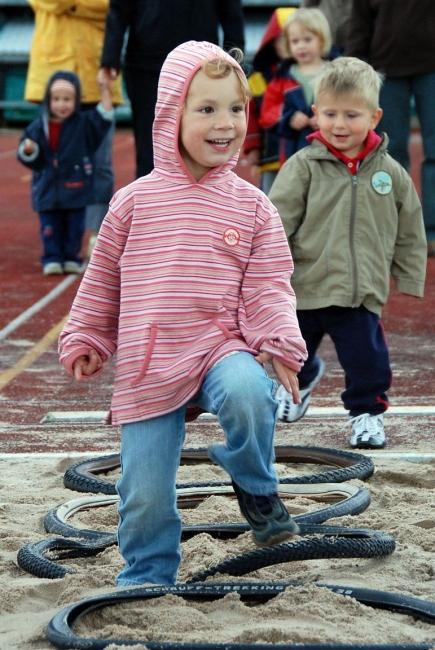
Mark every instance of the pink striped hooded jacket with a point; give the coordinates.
(183, 271)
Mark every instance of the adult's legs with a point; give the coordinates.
(142, 91)
(359, 339)
(149, 530)
(239, 391)
(395, 98)
(424, 93)
(103, 182)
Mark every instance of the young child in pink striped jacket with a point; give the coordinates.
(189, 283)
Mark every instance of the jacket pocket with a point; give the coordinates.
(148, 354)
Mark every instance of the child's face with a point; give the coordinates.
(62, 103)
(345, 120)
(213, 123)
(305, 46)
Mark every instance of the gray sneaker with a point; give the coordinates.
(367, 431)
(288, 411)
(267, 516)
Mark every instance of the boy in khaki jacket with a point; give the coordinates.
(352, 217)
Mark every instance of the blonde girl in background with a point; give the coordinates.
(286, 108)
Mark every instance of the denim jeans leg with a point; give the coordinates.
(149, 530)
(395, 99)
(424, 93)
(239, 391)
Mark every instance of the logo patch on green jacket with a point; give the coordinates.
(382, 182)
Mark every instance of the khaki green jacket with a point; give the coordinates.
(347, 233)
(68, 36)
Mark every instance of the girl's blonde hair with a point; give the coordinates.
(314, 21)
(348, 75)
(220, 68)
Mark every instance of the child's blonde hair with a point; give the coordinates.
(348, 75)
(220, 68)
(314, 21)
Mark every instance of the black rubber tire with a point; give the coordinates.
(376, 544)
(60, 628)
(31, 557)
(352, 505)
(84, 476)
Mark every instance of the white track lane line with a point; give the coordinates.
(37, 306)
(98, 417)
(412, 456)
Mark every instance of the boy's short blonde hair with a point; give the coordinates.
(316, 22)
(348, 75)
(220, 68)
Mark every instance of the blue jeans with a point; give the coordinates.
(395, 100)
(61, 234)
(238, 390)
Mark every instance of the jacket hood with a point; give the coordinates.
(60, 74)
(266, 55)
(176, 74)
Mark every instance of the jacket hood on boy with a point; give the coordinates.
(177, 72)
(66, 75)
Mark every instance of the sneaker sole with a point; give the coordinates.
(305, 402)
(282, 536)
(304, 406)
(367, 445)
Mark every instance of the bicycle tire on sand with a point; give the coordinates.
(84, 475)
(60, 633)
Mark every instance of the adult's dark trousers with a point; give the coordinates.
(395, 99)
(141, 88)
(61, 235)
(358, 337)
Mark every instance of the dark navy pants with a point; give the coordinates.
(61, 235)
(358, 338)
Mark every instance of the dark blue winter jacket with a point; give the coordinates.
(63, 179)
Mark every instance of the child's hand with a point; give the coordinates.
(86, 365)
(29, 146)
(105, 76)
(287, 377)
(299, 120)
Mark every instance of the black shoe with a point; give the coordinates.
(267, 516)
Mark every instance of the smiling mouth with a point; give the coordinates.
(220, 142)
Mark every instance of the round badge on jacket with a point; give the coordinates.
(382, 182)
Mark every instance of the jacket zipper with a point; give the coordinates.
(352, 242)
(56, 178)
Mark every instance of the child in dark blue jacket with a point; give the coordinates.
(59, 147)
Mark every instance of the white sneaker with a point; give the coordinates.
(288, 411)
(52, 268)
(367, 431)
(72, 267)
